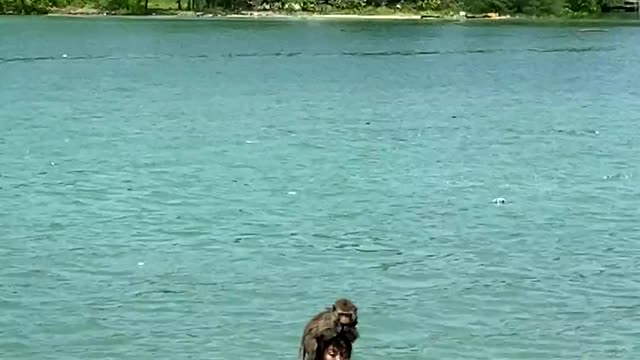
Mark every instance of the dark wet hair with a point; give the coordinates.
(339, 342)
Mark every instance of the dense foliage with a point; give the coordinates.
(532, 7)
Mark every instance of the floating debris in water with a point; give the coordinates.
(140, 263)
(52, 163)
(499, 200)
(250, 141)
(64, 56)
(292, 193)
(617, 176)
(593, 30)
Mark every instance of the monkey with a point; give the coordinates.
(340, 319)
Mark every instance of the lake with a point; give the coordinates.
(200, 189)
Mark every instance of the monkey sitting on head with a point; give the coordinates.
(339, 320)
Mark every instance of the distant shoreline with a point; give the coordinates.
(170, 14)
(257, 16)
(266, 16)
(173, 14)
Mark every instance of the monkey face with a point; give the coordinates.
(347, 318)
(345, 313)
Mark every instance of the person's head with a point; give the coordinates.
(336, 348)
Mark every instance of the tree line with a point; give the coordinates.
(529, 7)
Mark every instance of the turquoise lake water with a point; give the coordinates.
(199, 189)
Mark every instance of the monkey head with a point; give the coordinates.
(345, 312)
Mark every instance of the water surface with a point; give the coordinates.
(199, 189)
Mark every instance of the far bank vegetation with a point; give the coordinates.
(566, 8)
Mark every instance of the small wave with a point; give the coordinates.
(573, 50)
(418, 52)
(159, 291)
(389, 53)
(275, 54)
(50, 58)
(26, 59)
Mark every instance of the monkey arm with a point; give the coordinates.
(302, 352)
(351, 334)
(308, 350)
